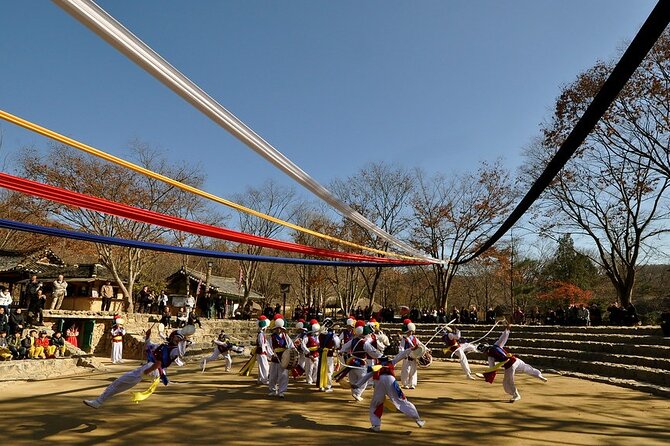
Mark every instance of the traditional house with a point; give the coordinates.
(189, 281)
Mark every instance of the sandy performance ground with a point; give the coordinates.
(223, 408)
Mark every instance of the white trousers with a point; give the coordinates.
(311, 369)
(331, 369)
(278, 381)
(387, 386)
(125, 382)
(355, 375)
(117, 352)
(518, 367)
(408, 375)
(461, 353)
(263, 368)
(214, 356)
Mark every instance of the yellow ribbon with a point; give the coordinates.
(134, 167)
(246, 368)
(141, 396)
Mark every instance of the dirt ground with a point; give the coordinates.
(224, 408)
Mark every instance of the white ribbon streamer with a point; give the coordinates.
(105, 26)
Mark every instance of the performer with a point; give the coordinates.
(348, 333)
(360, 349)
(262, 350)
(223, 348)
(298, 341)
(117, 340)
(499, 357)
(310, 348)
(329, 342)
(408, 374)
(159, 358)
(386, 385)
(72, 335)
(459, 347)
(277, 345)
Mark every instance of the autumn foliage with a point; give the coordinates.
(565, 293)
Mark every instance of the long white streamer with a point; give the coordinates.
(108, 28)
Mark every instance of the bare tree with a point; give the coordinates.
(64, 168)
(453, 216)
(612, 192)
(381, 193)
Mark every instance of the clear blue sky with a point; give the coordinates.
(440, 85)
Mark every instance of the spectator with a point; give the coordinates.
(190, 304)
(4, 320)
(144, 300)
(31, 291)
(57, 345)
(277, 310)
(583, 316)
(455, 315)
(465, 316)
(166, 318)
(441, 316)
(16, 347)
(36, 307)
(59, 292)
(5, 352)
(162, 302)
(220, 306)
(107, 294)
(359, 313)
(5, 299)
(182, 317)
(630, 317)
(560, 315)
(490, 316)
(518, 316)
(550, 318)
(40, 346)
(72, 334)
(474, 318)
(595, 315)
(17, 321)
(193, 319)
(665, 323)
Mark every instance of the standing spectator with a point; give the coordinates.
(519, 317)
(59, 292)
(630, 317)
(490, 316)
(190, 304)
(182, 317)
(465, 315)
(4, 320)
(17, 321)
(455, 315)
(31, 291)
(72, 334)
(144, 299)
(474, 318)
(36, 306)
(596, 315)
(220, 306)
(615, 312)
(5, 299)
(107, 294)
(359, 313)
(162, 302)
(560, 315)
(277, 309)
(441, 316)
(583, 316)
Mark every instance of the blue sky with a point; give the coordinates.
(334, 85)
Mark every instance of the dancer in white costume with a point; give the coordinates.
(277, 345)
(310, 348)
(386, 385)
(360, 349)
(500, 358)
(159, 358)
(456, 346)
(408, 374)
(223, 347)
(262, 350)
(117, 341)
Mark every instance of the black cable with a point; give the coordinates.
(645, 39)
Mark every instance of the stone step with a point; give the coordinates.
(647, 330)
(604, 369)
(41, 369)
(643, 361)
(652, 351)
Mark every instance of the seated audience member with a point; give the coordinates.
(43, 342)
(30, 344)
(166, 318)
(16, 346)
(5, 352)
(17, 321)
(193, 319)
(182, 318)
(57, 345)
